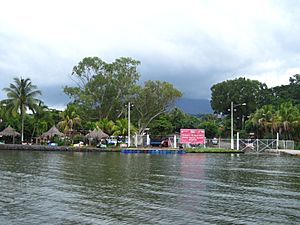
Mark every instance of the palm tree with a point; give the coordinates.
(121, 128)
(21, 95)
(105, 125)
(283, 120)
(70, 118)
(265, 119)
(42, 120)
(288, 115)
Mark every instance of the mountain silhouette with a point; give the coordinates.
(194, 106)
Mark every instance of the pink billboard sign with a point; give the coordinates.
(192, 136)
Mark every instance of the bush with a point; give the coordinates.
(297, 145)
(212, 150)
(77, 138)
(61, 141)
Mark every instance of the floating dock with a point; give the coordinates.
(153, 151)
(290, 152)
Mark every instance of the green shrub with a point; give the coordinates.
(297, 145)
(209, 150)
(77, 138)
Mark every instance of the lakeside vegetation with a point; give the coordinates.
(102, 92)
(211, 150)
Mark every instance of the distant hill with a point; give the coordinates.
(194, 106)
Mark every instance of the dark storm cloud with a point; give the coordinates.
(194, 76)
(54, 96)
(193, 44)
(20, 57)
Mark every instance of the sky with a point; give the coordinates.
(193, 44)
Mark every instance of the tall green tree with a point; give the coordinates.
(180, 119)
(211, 129)
(287, 93)
(241, 90)
(161, 126)
(102, 89)
(22, 95)
(152, 100)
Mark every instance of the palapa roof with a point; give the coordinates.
(52, 132)
(9, 131)
(97, 133)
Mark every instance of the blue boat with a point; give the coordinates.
(153, 151)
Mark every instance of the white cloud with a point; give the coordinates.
(205, 42)
(274, 78)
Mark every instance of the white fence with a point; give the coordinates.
(145, 141)
(255, 145)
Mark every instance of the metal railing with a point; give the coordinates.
(255, 145)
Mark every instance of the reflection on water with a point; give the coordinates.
(114, 188)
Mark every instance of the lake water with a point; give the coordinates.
(117, 188)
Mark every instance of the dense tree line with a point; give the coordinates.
(267, 110)
(102, 92)
(270, 119)
(100, 98)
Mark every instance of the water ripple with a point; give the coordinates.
(97, 188)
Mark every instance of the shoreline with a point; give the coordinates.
(286, 152)
(46, 148)
(19, 147)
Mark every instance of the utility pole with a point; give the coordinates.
(231, 125)
(128, 124)
(231, 121)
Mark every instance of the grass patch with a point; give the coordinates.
(213, 150)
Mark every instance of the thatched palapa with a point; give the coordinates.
(97, 133)
(11, 132)
(52, 132)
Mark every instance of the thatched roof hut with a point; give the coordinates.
(11, 132)
(52, 132)
(97, 133)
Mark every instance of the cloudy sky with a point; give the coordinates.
(191, 43)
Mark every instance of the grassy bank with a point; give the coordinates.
(211, 150)
(93, 149)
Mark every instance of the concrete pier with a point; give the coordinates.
(290, 152)
(53, 148)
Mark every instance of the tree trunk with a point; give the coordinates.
(34, 128)
(22, 127)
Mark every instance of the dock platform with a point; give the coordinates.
(153, 151)
(290, 152)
